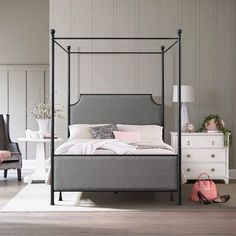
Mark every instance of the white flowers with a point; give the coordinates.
(43, 110)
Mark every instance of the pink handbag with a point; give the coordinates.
(206, 186)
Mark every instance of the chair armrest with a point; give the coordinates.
(15, 150)
(13, 147)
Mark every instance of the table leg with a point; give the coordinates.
(39, 174)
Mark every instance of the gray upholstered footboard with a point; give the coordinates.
(115, 173)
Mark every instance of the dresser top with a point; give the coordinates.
(198, 133)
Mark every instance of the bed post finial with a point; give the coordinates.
(68, 48)
(53, 32)
(162, 48)
(179, 31)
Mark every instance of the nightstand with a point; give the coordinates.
(203, 152)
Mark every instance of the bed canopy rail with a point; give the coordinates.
(172, 41)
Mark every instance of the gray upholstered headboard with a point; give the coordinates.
(116, 109)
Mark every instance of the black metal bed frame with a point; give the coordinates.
(177, 41)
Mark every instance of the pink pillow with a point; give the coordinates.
(4, 155)
(120, 135)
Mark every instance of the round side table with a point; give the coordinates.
(39, 174)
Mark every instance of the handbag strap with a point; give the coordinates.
(198, 178)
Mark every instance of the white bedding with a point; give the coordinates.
(112, 146)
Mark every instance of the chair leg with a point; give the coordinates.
(5, 174)
(60, 196)
(19, 174)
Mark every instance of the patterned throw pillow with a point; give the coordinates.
(103, 132)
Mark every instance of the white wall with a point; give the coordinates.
(209, 52)
(21, 86)
(24, 31)
(24, 55)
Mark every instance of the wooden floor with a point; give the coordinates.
(117, 223)
(110, 223)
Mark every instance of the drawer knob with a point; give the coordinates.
(212, 169)
(213, 155)
(188, 170)
(213, 142)
(188, 143)
(188, 155)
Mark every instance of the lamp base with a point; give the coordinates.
(184, 117)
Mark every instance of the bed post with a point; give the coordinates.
(68, 104)
(179, 122)
(52, 113)
(163, 88)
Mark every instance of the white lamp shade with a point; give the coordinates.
(187, 93)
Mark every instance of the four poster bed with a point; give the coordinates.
(142, 170)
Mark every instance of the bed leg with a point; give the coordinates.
(52, 199)
(179, 199)
(171, 196)
(179, 196)
(60, 197)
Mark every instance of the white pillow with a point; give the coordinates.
(81, 131)
(148, 132)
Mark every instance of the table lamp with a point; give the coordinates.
(187, 95)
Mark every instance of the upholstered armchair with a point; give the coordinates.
(15, 161)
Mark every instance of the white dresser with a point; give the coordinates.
(203, 152)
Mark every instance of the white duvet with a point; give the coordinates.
(90, 146)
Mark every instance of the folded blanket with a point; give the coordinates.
(90, 146)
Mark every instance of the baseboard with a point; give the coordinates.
(232, 173)
(29, 166)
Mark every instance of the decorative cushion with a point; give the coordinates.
(14, 157)
(123, 136)
(147, 132)
(81, 131)
(103, 132)
(4, 155)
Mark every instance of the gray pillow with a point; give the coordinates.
(103, 132)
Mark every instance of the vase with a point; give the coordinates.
(43, 126)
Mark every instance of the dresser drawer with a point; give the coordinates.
(193, 170)
(203, 155)
(203, 141)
